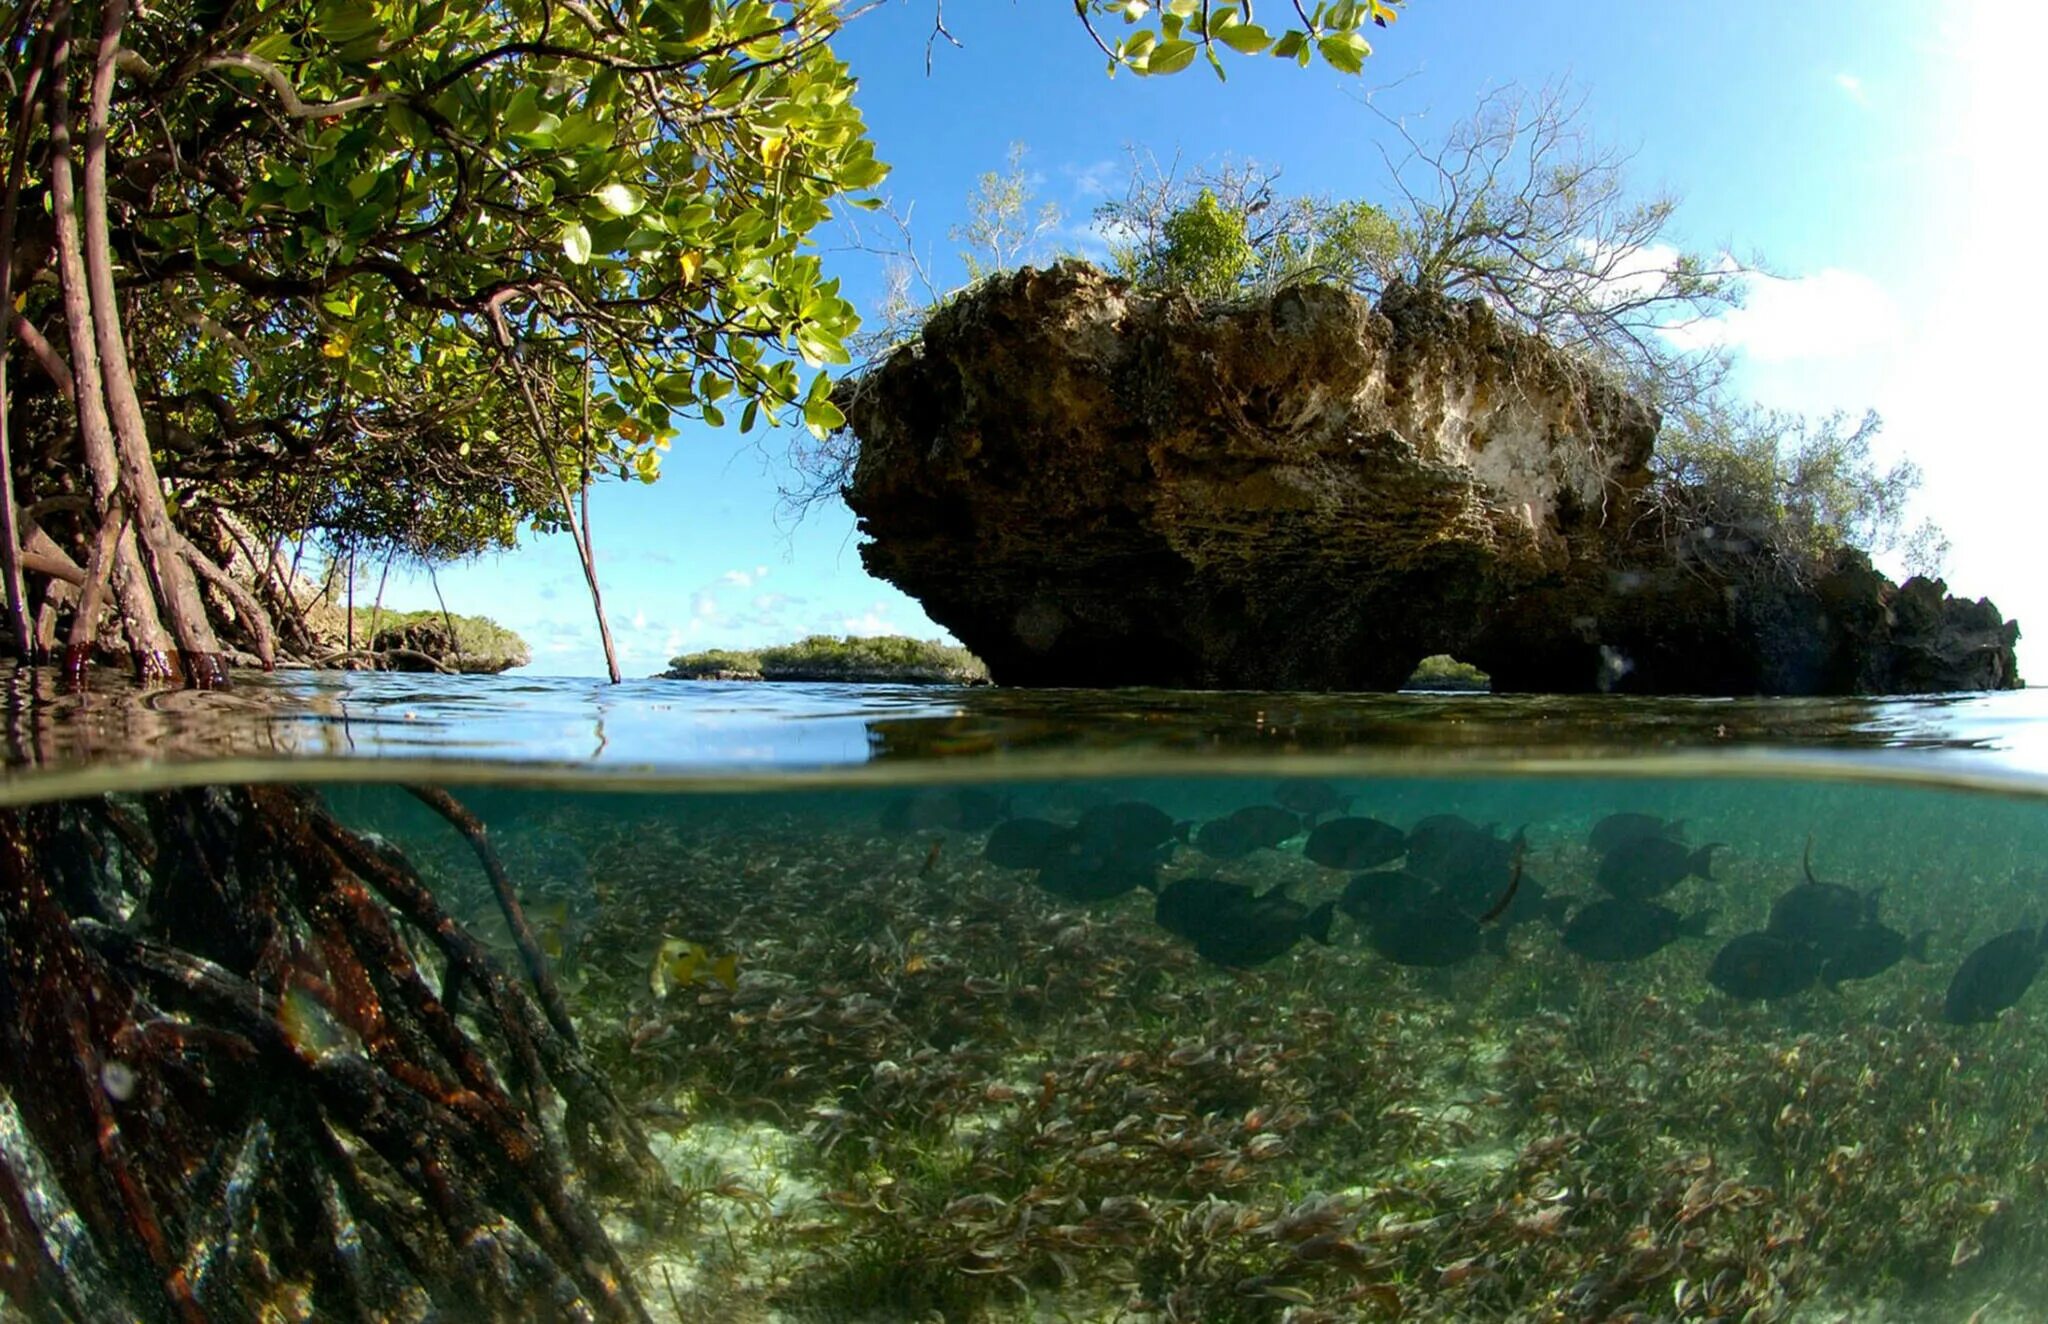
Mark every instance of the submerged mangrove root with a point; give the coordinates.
(230, 1088)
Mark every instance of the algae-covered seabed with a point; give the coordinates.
(937, 1092)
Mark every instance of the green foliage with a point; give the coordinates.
(484, 645)
(1741, 479)
(850, 657)
(1441, 671)
(714, 662)
(1206, 252)
(387, 223)
(1223, 233)
(1166, 38)
(368, 233)
(1516, 206)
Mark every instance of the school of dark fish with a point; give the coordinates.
(1444, 890)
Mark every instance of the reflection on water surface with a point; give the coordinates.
(702, 726)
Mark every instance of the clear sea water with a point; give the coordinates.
(869, 1073)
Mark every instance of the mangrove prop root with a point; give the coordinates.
(234, 1074)
(530, 953)
(603, 1132)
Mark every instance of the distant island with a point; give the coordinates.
(895, 659)
(877, 659)
(386, 640)
(1441, 671)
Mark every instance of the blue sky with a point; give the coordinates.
(1872, 153)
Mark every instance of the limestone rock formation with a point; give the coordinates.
(1088, 487)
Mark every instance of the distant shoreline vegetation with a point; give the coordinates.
(884, 659)
(418, 640)
(1444, 672)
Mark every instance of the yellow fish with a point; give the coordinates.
(682, 963)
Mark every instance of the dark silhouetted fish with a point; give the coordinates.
(1433, 933)
(1820, 913)
(1472, 863)
(960, 808)
(1532, 903)
(1310, 798)
(1617, 930)
(1620, 829)
(1224, 839)
(1084, 875)
(1754, 966)
(1868, 950)
(1026, 843)
(1994, 977)
(1354, 843)
(1234, 926)
(1383, 892)
(1267, 825)
(1129, 825)
(1651, 866)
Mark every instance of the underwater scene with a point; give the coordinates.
(1470, 1046)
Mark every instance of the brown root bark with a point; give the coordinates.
(98, 566)
(247, 609)
(234, 1075)
(140, 622)
(177, 587)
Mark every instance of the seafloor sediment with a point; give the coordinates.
(936, 1092)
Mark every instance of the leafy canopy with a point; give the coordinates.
(404, 273)
(431, 202)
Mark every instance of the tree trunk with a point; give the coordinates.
(140, 623)
(177, 587)
(10, 206)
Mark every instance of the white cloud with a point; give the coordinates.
(874, 621)
(1632, 272)
(737, 578)
(1092, 180)
(703, 606)
(1852, 87)
(1831, 314)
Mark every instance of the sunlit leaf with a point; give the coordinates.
(576, 242)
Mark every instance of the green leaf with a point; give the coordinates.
(583, 131)
(576, 243)
(1170, 57)
(1345, 51)
(1289, 46)
(822, 417)
(1245, 38)
(621, 199)
(750, 415)
(523, 113)
(863, 174)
